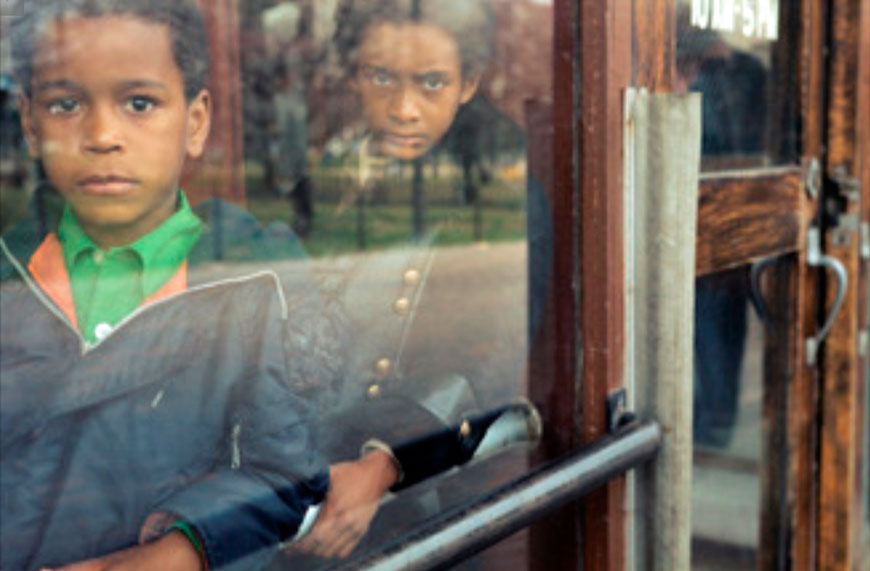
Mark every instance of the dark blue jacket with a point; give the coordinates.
(191, 405)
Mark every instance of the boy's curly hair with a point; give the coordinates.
(183, 18)
(471, 23)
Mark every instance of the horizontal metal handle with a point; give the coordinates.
(468, 529)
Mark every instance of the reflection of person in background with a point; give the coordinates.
(733, 84)
(413, 64)
(412, 67)
(13, 164)
(290, 148)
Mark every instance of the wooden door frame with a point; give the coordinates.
(841, 524)
(592, 63)
(774, 212)
(618, 45)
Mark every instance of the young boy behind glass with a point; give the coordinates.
(149, 412)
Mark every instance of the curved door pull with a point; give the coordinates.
(756, 296)
(816, 258)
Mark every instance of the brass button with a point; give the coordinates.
(383, 366)
(402, 306)
(465, 429)
(411, 277)
(374, 391)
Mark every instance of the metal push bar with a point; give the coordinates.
(462, 532)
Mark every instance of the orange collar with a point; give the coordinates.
(49, 271)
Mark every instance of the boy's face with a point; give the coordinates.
(409, 77)
(109, 120)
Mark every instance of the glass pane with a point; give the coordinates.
(726, 489)
(415, 203)
(740, 55)
(328, 248)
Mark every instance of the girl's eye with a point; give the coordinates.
(140, 104)
(63, 105)
(378, 77)
(381, 78)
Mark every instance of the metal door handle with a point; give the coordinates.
(755, 294)
(816, 258)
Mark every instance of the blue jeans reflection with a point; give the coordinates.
(720, 339)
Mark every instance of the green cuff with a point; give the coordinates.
(191, 535)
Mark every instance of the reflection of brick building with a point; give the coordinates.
(522, 68)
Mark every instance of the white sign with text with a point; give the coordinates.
(749, 18)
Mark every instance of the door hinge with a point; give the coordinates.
(847, 225)
(618, 414)
(865, 241)
(848, 186)
(813, 178)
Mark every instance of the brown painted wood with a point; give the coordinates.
(843, 414)
(863, 146)
(788, 487)
(811, 75)
(220, 173)
(605, 68)
(749, 215)
(802, 484)
(654, 39)
(554, 542)
(789, 493)
(781, 342)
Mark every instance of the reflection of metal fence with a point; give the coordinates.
(462, 532)
(423, 193)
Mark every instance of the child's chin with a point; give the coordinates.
(401, 151)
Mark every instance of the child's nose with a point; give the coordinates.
(102, 133)
(404, 107)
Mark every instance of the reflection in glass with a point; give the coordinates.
(415, 203)
(729, 349)
(737, 55)
(386, 168)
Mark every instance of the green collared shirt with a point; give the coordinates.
(108, 285)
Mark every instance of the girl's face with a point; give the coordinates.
(409, 76)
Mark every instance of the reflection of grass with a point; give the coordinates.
(335, 231)
(388, 211)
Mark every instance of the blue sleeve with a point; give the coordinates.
(272, 470)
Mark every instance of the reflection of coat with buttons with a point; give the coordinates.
(434, 334)
(189, 406)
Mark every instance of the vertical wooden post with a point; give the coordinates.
(843, 406)
(220, 172)
(655, 45)
(554, 543)
(605, 71)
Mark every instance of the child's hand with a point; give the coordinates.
(172, 552)
(355, 490)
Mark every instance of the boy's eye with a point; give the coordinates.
(432, 81)
(140, 104)
(63, 105)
